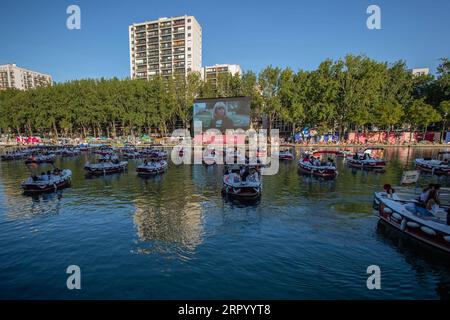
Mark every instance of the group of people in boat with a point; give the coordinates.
(151, 162)
(110, 158)
(365, 156)
(45, 176)
(315, 161)
(428, 199)
(244, 172)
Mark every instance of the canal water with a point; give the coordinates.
(175, 237)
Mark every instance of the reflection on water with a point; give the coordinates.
(166, 236)
(420, 257)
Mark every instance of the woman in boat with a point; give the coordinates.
(389, 190)
(437, 187)
(425, 194)
(432, 200)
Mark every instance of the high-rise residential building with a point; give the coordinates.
(12, 76)
(211, 73)
(420, 71)
(167, 46)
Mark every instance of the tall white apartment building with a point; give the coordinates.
(12, 76)
(167, 46)
(211, 73)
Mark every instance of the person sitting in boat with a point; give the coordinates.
(253, 174)
(425, 193)
(44, 177)
(445, 162)
(437, 187)
(389, 190)
(49, 175)
(34, 178)
(330, 162)
(433, 200)
(145, 162)
(245, 172)
(355, 156)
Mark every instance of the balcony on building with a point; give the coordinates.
(178, 57)
(179, 22)
(179, 50)
(166, 52)
(179, 36)
(139, 29)
(164, 25)
(166, 45)
(140, 35)
(178, 43)
(178, 30)
(140, 49)
(166, 39)
(140, 42)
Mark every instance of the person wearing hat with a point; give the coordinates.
(220, 119)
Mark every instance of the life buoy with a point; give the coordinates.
(396, 216)
(412, 224)
(429, 231)
(387, 210)
(403, 225)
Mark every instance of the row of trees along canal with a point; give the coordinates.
(355, 92)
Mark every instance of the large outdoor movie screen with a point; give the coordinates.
(223, 113)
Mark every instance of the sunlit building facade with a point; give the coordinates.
(12, 76)
(167, 46)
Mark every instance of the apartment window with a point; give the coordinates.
(189, 20)
(189, 34)
(189, 48)
(189, 27)
(189, 56)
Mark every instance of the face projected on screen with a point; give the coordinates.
(223, 113)
(220, 119)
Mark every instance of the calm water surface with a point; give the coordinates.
(175, 237)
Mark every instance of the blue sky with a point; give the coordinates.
(295, 33)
